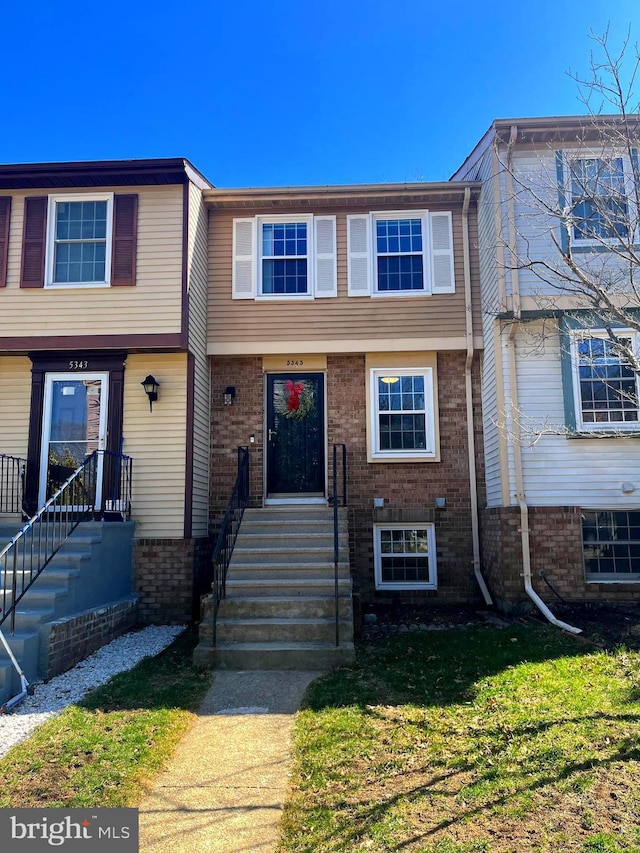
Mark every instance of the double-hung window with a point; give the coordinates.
(284, 257)
(400, 253)
(79, 240)
(402, 413)
(405, 556)
(606, 388)
(598, 199)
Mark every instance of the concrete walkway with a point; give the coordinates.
(224, 789)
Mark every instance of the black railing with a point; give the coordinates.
(29, 552)
(338, 500)
(228, 534)
(12, 470)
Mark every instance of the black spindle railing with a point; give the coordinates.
(338, 499)
(228, 534)
(12, 470)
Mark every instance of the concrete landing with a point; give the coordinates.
(224, 790)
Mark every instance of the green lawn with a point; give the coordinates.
(103, 751)
(464, 741)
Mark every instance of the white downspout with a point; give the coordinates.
(473, 490)
(524, 509)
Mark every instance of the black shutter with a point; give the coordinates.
(5, 214)
(33, 241)
(125, 230)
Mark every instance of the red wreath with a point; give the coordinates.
(293, 389)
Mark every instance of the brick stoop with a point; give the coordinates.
(279, 610)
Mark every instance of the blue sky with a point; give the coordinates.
(272, 93)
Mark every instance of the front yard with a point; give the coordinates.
(521, 739)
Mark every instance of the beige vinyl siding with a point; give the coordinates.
(197, 282)
(384, 319)
(559, 471)
(15, 404)
(157, 443)
(153, 306)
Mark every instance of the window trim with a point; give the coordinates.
(427, 284)
(430, 527)
(50, 245)
(564, 160)
(284, 219)
(430, 451)
(575, 335)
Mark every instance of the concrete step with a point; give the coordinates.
(294, 606)
(24, 645)
(291, 571)
(311, 538)
(280, 630)
(283, 655)
(60, 576)
(274, 554)
(287, 514)
(32, 617)
(293, 587)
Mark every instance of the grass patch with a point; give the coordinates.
(479, 741)
(103, 750)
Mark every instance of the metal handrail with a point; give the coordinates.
(228, 534)
(338, 500)
(29, 552)
(12, 471)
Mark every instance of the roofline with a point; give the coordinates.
(529, 126)
(220, 197)
(173, 170)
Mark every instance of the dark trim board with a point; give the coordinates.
(169, 342)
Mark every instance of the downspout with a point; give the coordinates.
(473, 489)
(524, 509)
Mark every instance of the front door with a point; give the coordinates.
(295, 435)
(73, 426)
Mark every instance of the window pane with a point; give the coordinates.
(608, 385)
(80, 250)
(611, 544)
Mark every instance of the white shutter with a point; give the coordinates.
(358, 249)
(244, 262)
(326, 273)
(441, 234)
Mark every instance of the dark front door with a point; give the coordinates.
(295, 435)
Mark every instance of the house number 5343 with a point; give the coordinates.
(78, 365)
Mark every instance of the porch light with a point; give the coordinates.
(151, 385)
(229, 395)
(389, 380)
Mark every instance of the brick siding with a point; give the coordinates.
(409, 489)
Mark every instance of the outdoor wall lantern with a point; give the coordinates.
(151, 385)
(229, 395)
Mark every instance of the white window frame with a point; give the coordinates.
(429, 452)
(432, 583)
(423, 216)
(280, 220)
(574, 155)
(602, 426)
(54, 200)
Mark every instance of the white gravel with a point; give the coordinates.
(52, 698)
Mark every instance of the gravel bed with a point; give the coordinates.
(52, 698)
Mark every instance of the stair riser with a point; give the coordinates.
(252, 539)
(290, 587)
(243, 554)
(307, 659)
(25, 648)
(291, 515)
(294, 608)
(58, 577)
(281, 631)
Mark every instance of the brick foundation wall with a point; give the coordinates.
(72, 640)
(169, 575)
(409, 489)
(555, 537)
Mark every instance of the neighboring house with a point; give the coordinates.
(561, 406)
(102, 284)
(343, 315)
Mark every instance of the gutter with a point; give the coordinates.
(520, 497)
(473, 491)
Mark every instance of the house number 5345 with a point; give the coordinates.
(78, 365)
